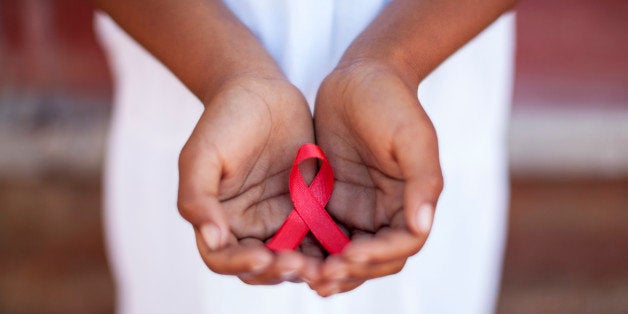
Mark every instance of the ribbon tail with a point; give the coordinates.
(290, 235)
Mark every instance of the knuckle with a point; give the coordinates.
(218, 263)
(184, 154)
(393, 267)
(435, 183)
(438, 183)
(397, 268)
(187, 207)
(248, 280)
(421, 242)
(216, 268)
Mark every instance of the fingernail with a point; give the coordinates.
(357, 258)
(424, 218)
(288, 275)
(211, 235)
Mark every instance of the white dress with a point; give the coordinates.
(152, 250)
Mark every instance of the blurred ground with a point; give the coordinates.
(567, 248)
(53, 259)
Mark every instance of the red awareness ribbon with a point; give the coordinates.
(309, 212)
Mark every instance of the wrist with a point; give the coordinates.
(243, 71)
(258, 85)
(382, 54)
(368, 63)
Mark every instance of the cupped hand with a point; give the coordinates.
(233, 174)
(384, 152)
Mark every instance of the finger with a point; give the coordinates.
(338, 269)
(311, 272)
(357, 271)
(386, 245)
(333, 276)
(310, 247)
(416, 150)
(286, 266)
(350, 285)
(247, 256)
(335, 268)
(334, 287)
(199, 179)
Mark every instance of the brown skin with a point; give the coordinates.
(379, 140)
(384, 151)
(234, 167)
(368, 120)
(240, 185)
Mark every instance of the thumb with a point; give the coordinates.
(420, 197)
(200, 171)
(417, 153)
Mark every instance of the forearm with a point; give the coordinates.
(415, 36)
(200, 41)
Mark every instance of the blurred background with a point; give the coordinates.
(567, 249)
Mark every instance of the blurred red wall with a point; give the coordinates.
(49, 45)
(570, 52)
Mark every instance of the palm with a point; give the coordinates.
(358, 132)
(249, 134)
(366, 198)
(233, 179)
(383, 149)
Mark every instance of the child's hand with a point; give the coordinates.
(233, 184)
(384, 152)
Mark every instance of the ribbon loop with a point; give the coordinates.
(309, 212)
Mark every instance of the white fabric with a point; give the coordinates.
(151, 248)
